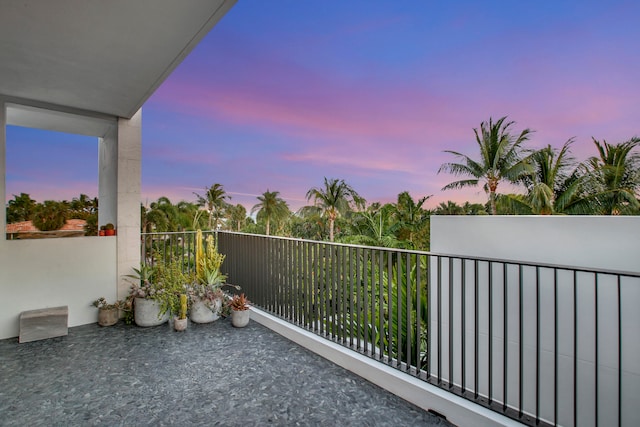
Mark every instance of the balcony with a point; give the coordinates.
(427, 327)
(211, 374)
(431, 327)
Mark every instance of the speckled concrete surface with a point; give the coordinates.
(211, 374)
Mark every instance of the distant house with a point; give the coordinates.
(26, 230)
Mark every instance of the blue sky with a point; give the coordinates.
(281, 94)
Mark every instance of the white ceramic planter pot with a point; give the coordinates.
(180, 324)
(240, 318)
(147, 313)
(201, 313)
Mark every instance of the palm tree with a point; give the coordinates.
(188, 215)
(374, 227)
(237, 215)
(616, 176)
(555, 184)
(160, 216)
(214, 201)
(335, 199)
(448, 208)
(500, 159)
(21, 208)
(410, 217)
(474, 209)
(81, 207)
(308, 223)
(271, 207)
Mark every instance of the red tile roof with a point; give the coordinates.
(28, 227)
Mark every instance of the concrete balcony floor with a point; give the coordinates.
(211, 374)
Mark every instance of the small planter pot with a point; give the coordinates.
(108, 316)
(110, 232)
(147, 313)
(240, 318)
(202, 313)
(180, 324)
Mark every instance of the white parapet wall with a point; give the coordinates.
(606, 242)
(44, 273)
(570, 324)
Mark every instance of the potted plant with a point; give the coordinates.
(240, 313)
(205, 292)
(109, 230)
(108, 314)
(180, 321)
(206, 299)
(102, 231)
(145, 298)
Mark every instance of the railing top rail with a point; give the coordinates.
(430, 254)
(163, 233)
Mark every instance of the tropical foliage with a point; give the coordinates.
(272, 208)
(334, 198)
(553, 181)
(615, 177)
(214, 200)
(546, 181)
(500, 159)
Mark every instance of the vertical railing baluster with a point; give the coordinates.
(380, 297)
(346, 297)
(418, 316)
(374, 333)
(337, 297)
(329, 293)
(439, 287)
(520, 336)
(575, 348)
(596, 367)
(490, 331)
(288, 272)
(273, 279)
(358, 311)
(463, 323)
(429, 309)
(390, 310)
(619, 354)
(365, 301)
(409, 309)
(314, 284)
(476, 332)
(555, 346)
(505, 339)
(304, 288)
(451, 262)
(537, 345)
(292, 273)
(351, 302)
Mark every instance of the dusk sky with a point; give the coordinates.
(283, 93)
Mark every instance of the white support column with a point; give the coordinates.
(129, 155)
(108, 177)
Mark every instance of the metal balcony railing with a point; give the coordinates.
(571, 355)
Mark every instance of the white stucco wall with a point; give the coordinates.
(607, 242)
(610, 243)
(53, 272)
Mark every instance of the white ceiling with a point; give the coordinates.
(105, 56)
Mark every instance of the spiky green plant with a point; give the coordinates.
(183, 306)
